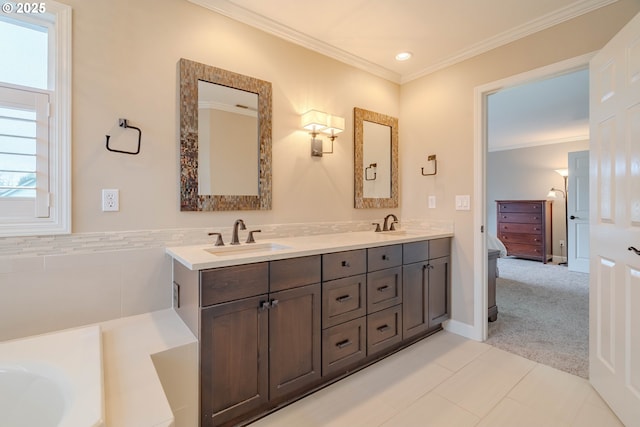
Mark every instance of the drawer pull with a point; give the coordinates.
(264, 305)
(343, 344)
(383, 288)
(384, 257)
(383, 328)
(343, 298)
(345, 264)
(634, 250)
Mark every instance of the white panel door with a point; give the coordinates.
(614, 302)
(578, 212)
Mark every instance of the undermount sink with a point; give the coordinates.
(396, 232)
(245, 248)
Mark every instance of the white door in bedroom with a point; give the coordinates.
(614, 308)
(578, 212)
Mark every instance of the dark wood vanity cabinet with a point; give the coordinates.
(259, 348)
(426, 286)
(270, 332)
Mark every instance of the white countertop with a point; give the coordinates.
(196, 257)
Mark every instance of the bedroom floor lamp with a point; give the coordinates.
(552, 193)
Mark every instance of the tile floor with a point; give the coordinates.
(450, 381)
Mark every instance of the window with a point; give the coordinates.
(35, 121)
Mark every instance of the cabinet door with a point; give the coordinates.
(439, 290)
(415, 299)
(294, 338)
(233, 359)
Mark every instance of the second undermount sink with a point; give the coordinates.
(245, 248)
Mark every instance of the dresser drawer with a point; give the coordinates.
(232, 283)
(343, 345)
(294, 272)
(384, 289)
(384, 329)
(527, 239)
(518, 249)
(384, 257)
(344, 264)
(521, 218)
(343, 300)
(520, 207)
(519, 228)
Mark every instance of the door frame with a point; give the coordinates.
(481, 93)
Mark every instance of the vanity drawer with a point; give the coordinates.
(415, 252)
(232, 283)
(384, 257)
(294, 272)
(344, 264)
(439, 248)
(384, 289)
(343, 345)
(384, 329)
(343, 300)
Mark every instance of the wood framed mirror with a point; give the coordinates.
(225, 140)
(375, 159)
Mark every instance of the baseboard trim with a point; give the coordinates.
(463, 329)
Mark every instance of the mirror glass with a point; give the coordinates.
(225, 139)
(376, 159)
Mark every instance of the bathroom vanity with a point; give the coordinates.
(281, 319)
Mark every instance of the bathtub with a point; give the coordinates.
(52, 380)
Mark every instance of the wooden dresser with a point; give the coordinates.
(524, 226)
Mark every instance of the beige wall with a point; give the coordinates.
(125, 56)
(437, 117)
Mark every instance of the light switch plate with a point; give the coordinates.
(463, 203)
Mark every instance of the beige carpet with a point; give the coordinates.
(543, 314)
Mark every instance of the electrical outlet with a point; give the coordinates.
(432, 202)
(110, 200)
(561, 243)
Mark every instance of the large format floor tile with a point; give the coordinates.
(449, 381)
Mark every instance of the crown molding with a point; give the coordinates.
(233, 11)
(238, 13)
(531, 144)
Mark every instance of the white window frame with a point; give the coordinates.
(58, 19)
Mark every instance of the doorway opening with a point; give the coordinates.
(488, 160)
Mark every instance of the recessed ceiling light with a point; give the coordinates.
(403, 56)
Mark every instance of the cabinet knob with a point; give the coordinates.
(384, 257)
(274, 302)
(264, 305)
(345, 264)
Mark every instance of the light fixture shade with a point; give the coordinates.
(314, 120)
(335, 125)
(563, 172)
(552, 194)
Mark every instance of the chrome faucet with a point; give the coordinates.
(234, 237)
(386, 227)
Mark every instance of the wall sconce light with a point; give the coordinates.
(317, 121)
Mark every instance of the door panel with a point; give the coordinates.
(614, 303)
(578, 212)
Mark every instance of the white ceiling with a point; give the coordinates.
(369, 33)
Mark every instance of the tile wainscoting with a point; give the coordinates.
(56, 282)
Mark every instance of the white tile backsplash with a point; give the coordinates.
(55, 282)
